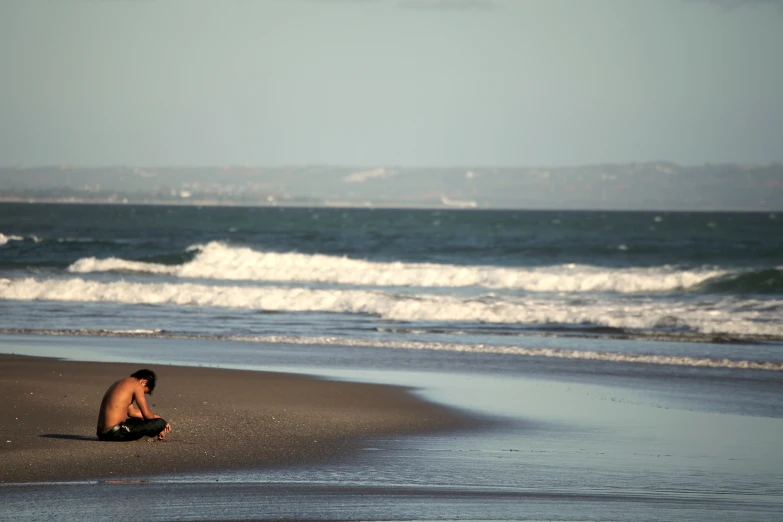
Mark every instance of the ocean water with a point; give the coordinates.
(620, 366)
(516, 282)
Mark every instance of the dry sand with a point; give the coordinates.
(221, 419)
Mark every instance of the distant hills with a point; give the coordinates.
(637, 186)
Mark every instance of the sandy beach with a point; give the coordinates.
(221, 419)
(345, 433)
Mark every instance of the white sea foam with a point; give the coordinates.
(218, 261)
(91, 264)
(557, 353)
(746, 317)
(705, 362)
(5, 239)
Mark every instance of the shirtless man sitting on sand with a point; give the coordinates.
(120, 420)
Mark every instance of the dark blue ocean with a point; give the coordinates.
(618, 365)
(462, 280)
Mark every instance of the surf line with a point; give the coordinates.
(671, 360)
(706, 362)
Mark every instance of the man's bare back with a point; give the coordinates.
(118, 417)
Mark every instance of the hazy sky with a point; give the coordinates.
(390, 82)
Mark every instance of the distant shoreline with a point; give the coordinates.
(367, 206)
(651, 186)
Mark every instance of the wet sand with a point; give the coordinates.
(221, 420)
(546, 439)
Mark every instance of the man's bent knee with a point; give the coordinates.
(158, 425)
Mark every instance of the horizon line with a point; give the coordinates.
(73, 166)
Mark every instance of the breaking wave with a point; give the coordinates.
(218, 261)
(768, 281)
(726, 316)
(5, 239)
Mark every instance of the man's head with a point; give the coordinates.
(146, 375)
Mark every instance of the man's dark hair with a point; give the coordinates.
(144, 373)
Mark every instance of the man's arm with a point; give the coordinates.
(143, 410)
(134, 412)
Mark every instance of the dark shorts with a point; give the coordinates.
(133, 429)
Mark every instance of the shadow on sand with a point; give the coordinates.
(68, 436)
